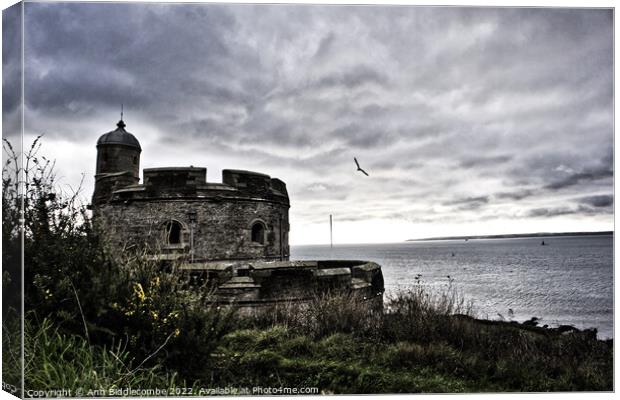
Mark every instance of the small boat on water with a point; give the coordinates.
(543, 243)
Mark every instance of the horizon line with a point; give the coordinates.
(491, 236)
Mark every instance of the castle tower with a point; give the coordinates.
(118, 163)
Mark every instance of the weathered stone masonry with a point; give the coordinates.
(178, 214)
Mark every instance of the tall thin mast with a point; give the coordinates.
(331, 240)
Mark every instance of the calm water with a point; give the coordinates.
(570, 281)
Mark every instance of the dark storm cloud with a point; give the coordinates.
(551, 212)
(510, 105)
(560, 211)
(581, 177)
(11, 77)
(11, 58)
(598, 201)
(102, 55)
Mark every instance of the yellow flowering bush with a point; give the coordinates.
(150, 310)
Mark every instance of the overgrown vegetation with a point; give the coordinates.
(83, 291)
(423, 342)
(96, 320)
(59, 360)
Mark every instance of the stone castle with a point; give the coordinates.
(233, 234)
(244, 217)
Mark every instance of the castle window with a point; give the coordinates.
(173, 232)
(258, 233)
(135, 160)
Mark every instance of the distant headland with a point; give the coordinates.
(516, 235)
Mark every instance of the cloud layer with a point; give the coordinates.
(468, 120)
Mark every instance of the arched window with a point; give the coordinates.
(258, 233)
(173, 232)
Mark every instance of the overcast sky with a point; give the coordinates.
(468, 120)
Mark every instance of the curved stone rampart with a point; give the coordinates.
(254, 286)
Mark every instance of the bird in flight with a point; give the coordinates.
(358, 167)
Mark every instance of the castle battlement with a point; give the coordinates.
(181, 215)
(190, 183)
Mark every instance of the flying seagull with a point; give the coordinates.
(358, 167)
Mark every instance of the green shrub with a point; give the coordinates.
(83, 288)
(323, 315)
(300, 346)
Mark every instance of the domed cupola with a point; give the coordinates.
(118, 162)
(119, 136)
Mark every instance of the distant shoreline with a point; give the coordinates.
(516, 235)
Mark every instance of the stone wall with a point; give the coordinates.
(254, 286)
(222, 229)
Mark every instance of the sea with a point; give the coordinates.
(568, 281)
